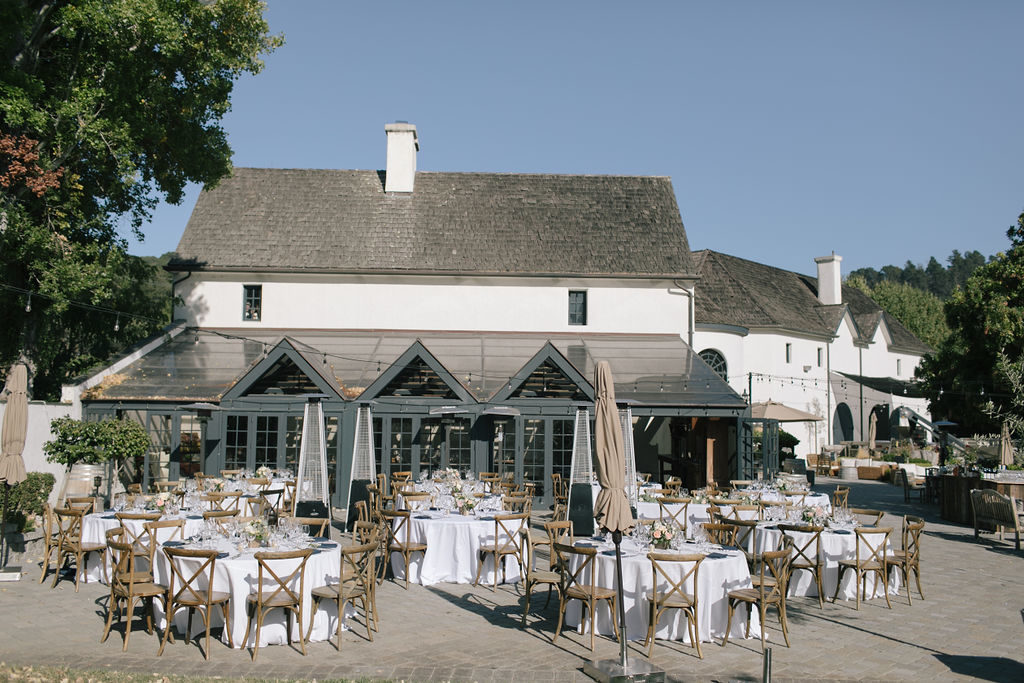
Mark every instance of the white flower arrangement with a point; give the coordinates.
(463, 502)
(160, 500)
(264, 472)
(256, 530)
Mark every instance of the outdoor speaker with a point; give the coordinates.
(357, 493)
(581, 509)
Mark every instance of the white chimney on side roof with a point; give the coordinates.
(400, 174)
(830, 281)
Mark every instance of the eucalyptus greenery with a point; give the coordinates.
(92, 443)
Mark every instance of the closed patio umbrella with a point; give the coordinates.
(1005, 446)
(12, 439)
(612, 513)
(872, 431)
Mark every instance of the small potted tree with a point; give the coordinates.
(85, 447)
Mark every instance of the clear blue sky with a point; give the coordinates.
(884, 131)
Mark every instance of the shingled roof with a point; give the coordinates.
(735, 291)
(304, 220)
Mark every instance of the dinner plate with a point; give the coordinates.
(716, 556)
(193, 517)
(488, 518)
(841, 531)
(109, 517)
(423, 517)
(328, 545)
(586, 544)
(223, 556)
(173, 544)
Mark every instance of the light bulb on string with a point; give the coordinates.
(28, 303)
(117, 323)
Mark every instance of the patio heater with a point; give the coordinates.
(311, 481)
(581, 477)
(363, 472)
(632, 490)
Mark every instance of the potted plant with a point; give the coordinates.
(84, 447)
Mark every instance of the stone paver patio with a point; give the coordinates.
(968, 627)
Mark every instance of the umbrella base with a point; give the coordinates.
(10, 574)
(612, 671)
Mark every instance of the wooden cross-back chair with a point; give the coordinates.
(277, 572)
(869, 559)
(675, 572)
(769, 591)
(357, 583)
(807, 553)
(506, 542)
(70, 544)
(189, 588)
(576, 565)
(128, 585)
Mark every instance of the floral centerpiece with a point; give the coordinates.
(215, 484)
(464, 503)
(662, 534)
(257, 531)
(264, 472)
(814, 515)
(699, 497)
(648, 498)
(160, 500)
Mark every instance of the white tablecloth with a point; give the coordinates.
(453, 545)
(835, 545)
(95, 527)
(237, 575)
(810, 500)
(721, 572)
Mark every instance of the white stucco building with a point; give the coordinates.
(810, 343)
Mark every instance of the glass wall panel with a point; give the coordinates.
(378, 441)
(159, 428)
(189, 457)
(459, 445)
(533, 453)
(504, 445)
(562, 432)
(401, 444)
(236, 441)
(266, 441)
(333, 431)
(292, 443)
(431, 443)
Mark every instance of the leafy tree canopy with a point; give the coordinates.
(986, 319)
(105, 107)
(920, 312)
(933, 278)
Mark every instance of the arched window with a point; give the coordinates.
(717, 362)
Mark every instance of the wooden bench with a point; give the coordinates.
(992, 508)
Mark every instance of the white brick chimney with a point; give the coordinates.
(400, 174)
(830, 281)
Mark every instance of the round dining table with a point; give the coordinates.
(236, 572)
(721, 571)
(95, 527)
(837, 544)
(453, 549)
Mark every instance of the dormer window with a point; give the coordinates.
(252, 302)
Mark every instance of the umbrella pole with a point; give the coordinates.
(621, 670)
(617, 540)
(3, 528)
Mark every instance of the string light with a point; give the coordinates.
(28, 304)
(117, 323)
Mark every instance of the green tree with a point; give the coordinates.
(986, 319)
(920, 312)
(106, 106)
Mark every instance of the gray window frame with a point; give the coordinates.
(578, 310)
(251, 294)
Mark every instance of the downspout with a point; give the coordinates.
(828, 393)
(690, 311)
(860, 371)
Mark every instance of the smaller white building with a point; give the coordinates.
(810, 343)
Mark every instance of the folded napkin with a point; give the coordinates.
(321, 539)
(173, 544)
(716, 556)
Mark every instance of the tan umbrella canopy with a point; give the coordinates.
(1005, 446)
(12, 466)
(872, 431)
(612, 507)
(770, 410)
